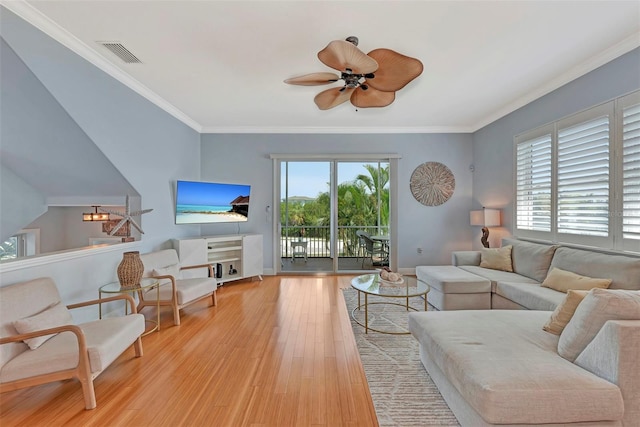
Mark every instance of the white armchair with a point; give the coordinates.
(39, 342)
(176, 292)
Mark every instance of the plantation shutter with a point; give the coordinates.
(583, 178)
(631, 172)
(533, 184)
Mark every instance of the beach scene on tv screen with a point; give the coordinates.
(207, 202)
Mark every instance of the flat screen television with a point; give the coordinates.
(211, 202)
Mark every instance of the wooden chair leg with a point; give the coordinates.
(87, 389)
(214, 298)
(86, 379)
(176, 315)
(137, 346)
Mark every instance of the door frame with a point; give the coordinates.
(391, 158)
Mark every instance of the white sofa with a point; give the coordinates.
(467, 286)
(499, 367)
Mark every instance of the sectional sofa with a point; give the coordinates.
(499, 367)
(466, 285)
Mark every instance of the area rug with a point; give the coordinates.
(403, 393)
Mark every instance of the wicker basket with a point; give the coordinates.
(130, 270)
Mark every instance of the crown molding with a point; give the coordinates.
(580, 70)
(336, 130)
(42, 22)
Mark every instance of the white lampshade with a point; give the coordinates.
(485, 217)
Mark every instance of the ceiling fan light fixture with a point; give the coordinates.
(370, 80)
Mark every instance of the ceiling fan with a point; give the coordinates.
(370, 80)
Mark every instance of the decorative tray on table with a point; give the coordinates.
(391, 278)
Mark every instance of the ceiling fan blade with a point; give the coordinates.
(332, 97)
(313, 79)
(371, 98)
(395, 70)
(342, 55)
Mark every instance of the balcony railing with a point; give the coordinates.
(318, 239)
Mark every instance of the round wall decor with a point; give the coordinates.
(432, 183)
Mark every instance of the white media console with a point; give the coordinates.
(233, 256)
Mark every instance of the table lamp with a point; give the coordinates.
(485, 218)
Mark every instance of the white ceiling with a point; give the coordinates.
(219, 65)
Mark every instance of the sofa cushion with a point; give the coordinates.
(530, 259)
(562, 281)
(599, 306)
(530, 295)
(186, 289)
(623, 270)
(496, 276)
(106, 339)
(507, 368)
(452, 280)
(496, 259)
(53, 316)
(564, 312)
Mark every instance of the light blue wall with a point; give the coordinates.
(31, 204)
(493, 144)
(149, 147)
(42, 144)
(244, 158)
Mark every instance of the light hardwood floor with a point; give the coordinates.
(278, 352)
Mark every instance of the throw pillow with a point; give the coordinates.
(52, 316)
(599, 306)
(562, 281)
(497, 259)
(563, 312)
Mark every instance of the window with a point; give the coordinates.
(9, 248)
(533, 184)
(578, 180)
(583, 176)
(25, 243)
(631, 170)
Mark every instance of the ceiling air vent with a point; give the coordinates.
(121, 52)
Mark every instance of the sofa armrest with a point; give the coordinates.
(613, 355)
(465, 258)
(49, 331)
(128, 298)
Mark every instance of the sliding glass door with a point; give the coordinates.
(305, 216)
(334, 215)
(362, 215)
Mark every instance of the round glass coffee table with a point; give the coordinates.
(372, 284)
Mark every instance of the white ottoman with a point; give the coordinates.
(455, 289)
